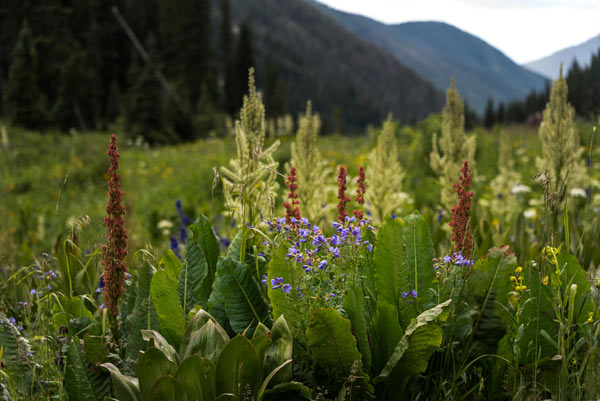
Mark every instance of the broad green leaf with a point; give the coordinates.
(488, 289)
(279, 266)
(158, 341)
(152, 365)
(81, 382)
(270, 376)
(167, 388)
(216, 307)
(204, 235)
(331, 343)
(95, 349)
(197, 376)
(195, 281)
(204, 344)
(354, 307)
(422, 337)
(124, 388)
(208, 342)
(288, 391)
(419, 260)
(244, 302)
(279, 351)
(385, 331)
(67, 310)
(239, 371)
(142, 315)
(164, 296)
(391, 270)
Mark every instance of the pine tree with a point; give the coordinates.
(453, 148)
(23, 101)
(144, 115)
(489, 114)
(244, 60)
(225, 40)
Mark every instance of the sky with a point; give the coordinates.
(524, 30)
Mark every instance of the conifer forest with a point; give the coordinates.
(242, 200)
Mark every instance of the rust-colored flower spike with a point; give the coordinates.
(361, 188)
(461, 235)
(115, 250)
(291, 207)
(343, 199)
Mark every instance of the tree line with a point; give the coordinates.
(75, 65)
(584, 96)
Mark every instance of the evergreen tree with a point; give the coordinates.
(144, 113)
(274, 90)
(23, 100)
(244, 60)
(225, 40)
(489, 114)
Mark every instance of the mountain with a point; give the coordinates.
(549, 65)
(349, 80)
(438, 51)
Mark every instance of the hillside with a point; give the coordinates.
(439, 51)
(347, 78)
(549, 65)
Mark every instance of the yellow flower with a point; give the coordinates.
(518, 270)
(513, 279)
(545, 280)
(495, 222)
(590, 317)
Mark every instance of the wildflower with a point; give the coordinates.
(30, 353)
(520, 189)
(545, 280)
(12, 320)
(264, 280)
(343, 199)
(370, 247)
(32, 292)
(447, 259)
(590, 318)
(323, 264)
(461, 235)
(578, 192)
(404, 295)
(335, 241)
(115, 250)
(19, 327)
(286, 288)
(276, 283)
(174, 246)
(335, 251)
(519, 269)
(513, 279)
(292, 211)
(360, 192)
(413, 293)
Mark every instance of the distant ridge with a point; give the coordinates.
(349, 80)
(549, 65)
(437, 51)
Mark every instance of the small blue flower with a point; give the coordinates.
(286, 288)
(323, 264)
(276, 282)
(32, 292)
(447, 259)
(30, 353)
(334, 240)
(12, 320)
(19, 327)
(304, 221)
(264, 280)
(413, 293)
(370, 247)
(405, 295)
(303, 232)
(336, 225)
(335, 251)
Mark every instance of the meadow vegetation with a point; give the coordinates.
(415, 262)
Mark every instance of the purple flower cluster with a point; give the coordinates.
(411, 293)
(457, 259)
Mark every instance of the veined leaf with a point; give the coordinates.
(422, 337)
(391, 270)
(152, 365)
(208, 341)
(354, 307)
(156, 340)
(197, 376)
(124, 388)
(244, 301)
(331, 344)
(142, 315)
(279, 351)
(15, 353)
(167, 388)
(81, 383)
(164, 296)
(385, 333)
(238, 369)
